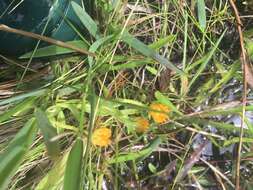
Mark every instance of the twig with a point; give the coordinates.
(45, 39)
(244, 96)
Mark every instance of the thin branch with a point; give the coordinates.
(45, 39)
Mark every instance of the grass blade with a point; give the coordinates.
(145, 50)
(86, 20)
(137, 155)
(13, 155)
(54, 50)
(48, 132)
(72, 177)
(53, 179)
(26, 104)
(163, 99)
(22, 96)
(206, 61)
(202, 14)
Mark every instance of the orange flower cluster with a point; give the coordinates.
(101, 137)
(142, 124)
(159, 112)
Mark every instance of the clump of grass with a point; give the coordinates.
(171, 53)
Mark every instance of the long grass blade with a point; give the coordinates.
(13, 155)
(48, 132)
(72, 176)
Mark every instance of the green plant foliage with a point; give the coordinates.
(54, 50)
(73, 171)
(124, 157)
(13, 155)
(202, 14)
(48, 132)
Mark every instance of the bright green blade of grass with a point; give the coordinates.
(55, 50)
(73, 171)
(227, 77)
(137, 155)
(93, 112)
(24, 105)
(225, 127)
(162, 42)
(220, 111)
(130, 65)
(96, 45)
(206, 61)
(48, 132)
(13, 155)
(201, 14)
(235, 140)
(145, 50)
(53, 179)
(22, 97)
(163, 99)
(86, 20)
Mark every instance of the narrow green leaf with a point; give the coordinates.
(145, 50)
(152, 168)
(249, 47)
(202, 14)
(235, 140)
(206, 61)
(55, 50)
(24, 105)
(227, 77)
(48, 132)
(128, 65)
(86, 20)
(93, 48)
(163, 99)
(124, 157)
(53, 179)
(13, 155)
(162, 42)
(22, 97)
(152, 70)
(72, 176)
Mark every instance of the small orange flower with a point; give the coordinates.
(156, 113)
(101, 137)
(142, 124)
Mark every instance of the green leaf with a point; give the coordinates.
(53, 179)
(152, 70)
(14, 154)
(26, 104)
(163, 99)
(93, 48)
(128, 65)
(202, 14)
(55, 50)
(48, 132)
(162, 42)
(206, 61)
(152, 168)
(72, 176)
(124, 157)
(86, 20)
(22, 97)
(227, 77)
(145, 50)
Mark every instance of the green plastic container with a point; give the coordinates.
(32, 16)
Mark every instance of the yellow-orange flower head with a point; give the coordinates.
(142, 124)
(159, 112)
(101, 137)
